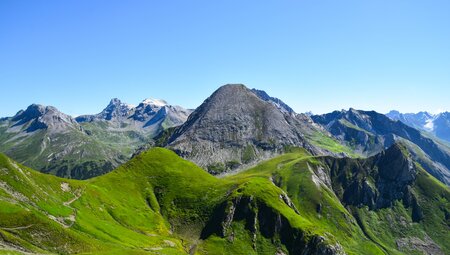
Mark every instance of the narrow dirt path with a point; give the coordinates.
(77, 196)
(18, 228)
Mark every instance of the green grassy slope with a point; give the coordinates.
(158, 203)
(155, 203)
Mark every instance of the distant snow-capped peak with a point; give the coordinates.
(155, 102)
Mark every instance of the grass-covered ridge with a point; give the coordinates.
(158, 203)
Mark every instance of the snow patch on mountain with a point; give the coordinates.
(429, 124)
(155, 102)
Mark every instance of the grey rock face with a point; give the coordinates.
(318, 246)
(427, 245)
(376, 182)
(234, 126)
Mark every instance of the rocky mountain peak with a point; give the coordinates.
(234, 126)
(397, 165)
(115, 101)
(147, 109)
(33, 111)
(38, 116)
(422, 120)
(115, 109)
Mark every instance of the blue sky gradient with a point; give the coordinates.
(315, 55)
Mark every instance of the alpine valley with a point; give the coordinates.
(243, 173)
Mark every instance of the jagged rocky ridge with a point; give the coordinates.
(149, 117)
(378, 181)
(275, 101)
(369, 132)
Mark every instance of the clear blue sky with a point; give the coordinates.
(315, 55)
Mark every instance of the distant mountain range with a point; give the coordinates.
(436, 124)
(46, 139)
(369, 132)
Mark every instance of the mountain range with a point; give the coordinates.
(42, 137)
(369, 132)
(241, 174)
(436, 124)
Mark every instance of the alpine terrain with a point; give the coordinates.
(242, 174)
(46, 139)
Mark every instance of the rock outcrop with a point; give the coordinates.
(377, 182)
(262, 220)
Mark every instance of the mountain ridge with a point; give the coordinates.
(436, 124)
(369, 132)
